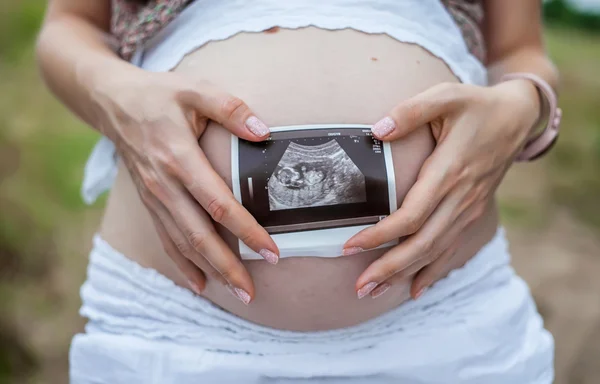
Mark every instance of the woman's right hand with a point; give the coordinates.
(155, 120)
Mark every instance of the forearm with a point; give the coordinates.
(514, 37)
(75, 57)
(533, 60)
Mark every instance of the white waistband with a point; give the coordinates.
(121, 296)
(477, 325)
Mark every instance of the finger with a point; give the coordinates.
(197, 232)
(421, 247)
(448, 261)
(420, 110)
(213, 194)
(392, 262)
(433, 183)
(202, 244)
(411, 271)
(415, 267)
(389, 283)
(178, 245)
(383, 287)
(433, 272)
(195, 276)
(227, 110)
(396, 275)
(380, 289)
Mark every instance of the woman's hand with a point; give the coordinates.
(155, 120)
(479, 131)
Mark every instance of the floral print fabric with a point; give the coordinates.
(134, 23)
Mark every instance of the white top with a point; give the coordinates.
(424, 22)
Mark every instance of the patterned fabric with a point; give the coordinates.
(468, 15)
(135, 22)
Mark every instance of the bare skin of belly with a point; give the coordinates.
(290, 77)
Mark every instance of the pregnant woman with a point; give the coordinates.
(167, 83)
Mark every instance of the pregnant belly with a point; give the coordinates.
(305, 76)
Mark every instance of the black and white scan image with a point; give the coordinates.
(309, 178)
(317, 175)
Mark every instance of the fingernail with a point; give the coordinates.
(380, 290)
(383, 127)
(351, 251)
(420, 293)
(366, 289)
(257, 127)
(195, 287)
(269, 256)
(239, 293)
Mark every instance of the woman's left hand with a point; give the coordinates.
(479, 131)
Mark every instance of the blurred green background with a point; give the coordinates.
(551, 208)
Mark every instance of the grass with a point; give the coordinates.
(20, 21)
(574, 164)
(570, 174)
(43, 150)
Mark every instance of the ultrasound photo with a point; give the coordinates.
(311, 176)
(308, 178)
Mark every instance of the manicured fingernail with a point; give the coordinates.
(351, 251)
(420, 293)
(383, 127)
(239, 293)
(195, 287)
(366, 289)
(269, 256)
(257, 127)
(380, 290)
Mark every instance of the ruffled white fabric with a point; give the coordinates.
(478, 325)
(423, 22)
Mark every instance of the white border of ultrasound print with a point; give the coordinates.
(319, 242)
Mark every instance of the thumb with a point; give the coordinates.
(228, 110)
(419, 110)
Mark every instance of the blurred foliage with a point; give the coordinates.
(560, 12)
(43, 150)
(574, 179)
(19, 24)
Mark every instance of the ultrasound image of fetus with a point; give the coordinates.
(311, 176)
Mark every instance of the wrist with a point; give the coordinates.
(522, 96)
(537, 105)
(105, 82)
(525, 92)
